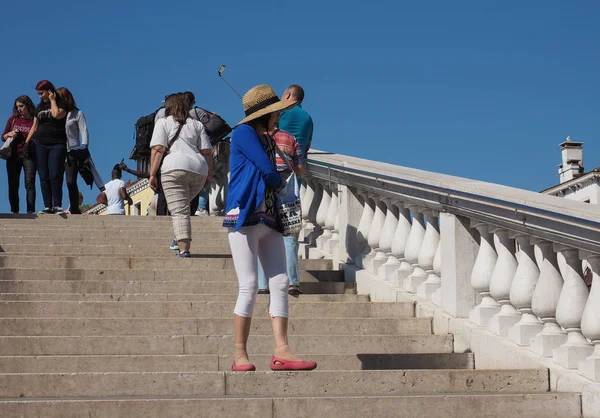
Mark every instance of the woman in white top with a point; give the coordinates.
(78, 154)
(186, 167)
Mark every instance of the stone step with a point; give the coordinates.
(223, 344)
(108, 297)
(154, 287)
(6, 218)
(140, 250)
(213, 362)
(559, 405)
(203, 240)
(534, 405)
(267, 383)
(127, 309)
(210, 326)
(164, 233)
(153, 275)
(136, 263)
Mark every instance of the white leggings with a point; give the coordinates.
(267, 243)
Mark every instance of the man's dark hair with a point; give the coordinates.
(117, 171)
(297, 92)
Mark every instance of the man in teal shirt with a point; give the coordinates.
(296, 120)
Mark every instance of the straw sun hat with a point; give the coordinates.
(260, 100)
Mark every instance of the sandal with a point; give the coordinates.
(279, 364)
(294, 290)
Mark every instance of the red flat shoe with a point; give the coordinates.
(278, 364)
(243, 368)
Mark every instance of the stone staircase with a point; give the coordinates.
(99, 319)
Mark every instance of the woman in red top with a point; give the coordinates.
(22, 155)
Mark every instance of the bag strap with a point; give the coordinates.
(175, 137)
(281, 155)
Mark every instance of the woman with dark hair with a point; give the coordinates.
(255, 232)
(181, 150)
(49, 131)
(22, 157)
(78, 155)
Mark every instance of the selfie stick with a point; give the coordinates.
(221, 71)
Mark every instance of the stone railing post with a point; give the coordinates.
(374, 236)
(306, 204)
(349, 215)
(431, 244)
(571, 303)
(362, 234)
(482, 275)
(386, 238)
(590, 322)
(413, 247)
(313, 228)
(322, 219)
(458, 253)
(434, 281)
(501, 281)
(388, 270)
(332, 224)
(426, 253)
(545, 300)
(521, 294)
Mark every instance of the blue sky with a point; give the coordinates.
(480, 89)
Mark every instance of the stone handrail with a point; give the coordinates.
(510, 260)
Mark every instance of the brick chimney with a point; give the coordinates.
(572, 160)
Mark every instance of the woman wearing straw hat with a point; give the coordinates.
(254, 230)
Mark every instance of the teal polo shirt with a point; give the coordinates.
(298, 122)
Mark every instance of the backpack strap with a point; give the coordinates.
(176, 136)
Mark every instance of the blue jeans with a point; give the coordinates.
(51, 169)
(203, 203)
(291, 258)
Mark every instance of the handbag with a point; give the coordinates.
(289, 208)
(6, 150)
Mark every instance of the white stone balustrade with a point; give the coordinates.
(545, 301)
(386, 238)
(374, 237)
(322, 219)
(501, 282)
(521, 294)
(364, 226)
(332, 223)
(571, 303)
(413, 248)
(482, 275)
(590, 322)
(306, 204)
(429, 249)
(389, 269)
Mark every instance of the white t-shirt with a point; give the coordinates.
(116, 206)
(185, 151)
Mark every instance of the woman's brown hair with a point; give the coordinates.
(45, 85)
(27, 102)
(175, 106)
(67, 96)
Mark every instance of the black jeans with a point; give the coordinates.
(75, 159)
(51, 168)
(13, 170)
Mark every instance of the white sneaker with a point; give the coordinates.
(58, 210)
(201, 212)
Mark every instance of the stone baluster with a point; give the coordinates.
(482, 275)
(521, 294)
(362, 234)
(590, 322)
(501, 281)
(313, 213)
(322, 219)
(306, 204)
(413, 246)
(545, 300)
(571, 303)
(332, 223)
(434, 282)
(387, 236)
(388, 270)
(374, 235)
(426, 253)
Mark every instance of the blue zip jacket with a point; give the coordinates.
(251, 170)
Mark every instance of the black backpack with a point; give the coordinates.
(143, 135)
(215, 125)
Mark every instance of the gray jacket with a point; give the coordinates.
(77, 132)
